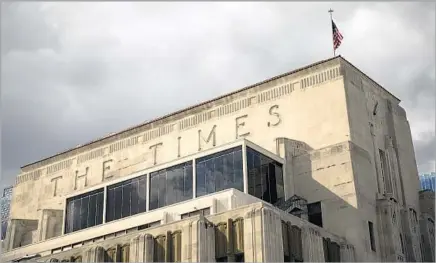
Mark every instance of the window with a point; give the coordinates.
(385, 172)
(152, 224)
(219, 171)
(126, 198)
(371, 235)
(83, 211)
(171, 185)
(265, 177)
(315, 213)
(204, 212)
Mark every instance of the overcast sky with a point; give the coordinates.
(73, 72)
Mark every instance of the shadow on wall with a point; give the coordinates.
(335, 184)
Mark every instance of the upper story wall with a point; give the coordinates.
(379, 125)
(308, 105)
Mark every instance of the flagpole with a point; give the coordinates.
(331, 20)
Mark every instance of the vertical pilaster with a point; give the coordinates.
(94, 254)
(198, 241)
(347, 253)
(141, 248)
(313, 248)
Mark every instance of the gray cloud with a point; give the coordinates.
(73, 72)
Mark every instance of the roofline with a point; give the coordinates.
(354, 67)
(185, 109)
(206, 102)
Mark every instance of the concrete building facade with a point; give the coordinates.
(313, 165)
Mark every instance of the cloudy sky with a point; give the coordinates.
(73, 72)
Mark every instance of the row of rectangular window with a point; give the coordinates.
(216, 172)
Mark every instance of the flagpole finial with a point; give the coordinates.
(331, 10)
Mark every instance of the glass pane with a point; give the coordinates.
(142, 194)
(218, 173)
(188, 182)
(228, 171)
(134, 197)
(127, 189)
(210, 180)
(110, 205)
(162, 190)
(118, 204)
(92, 210)
(238, 171)
(251, 172)
(154, 191)
(172, 186)
(76, 215)
(257, 176)
(99, 209)
(201, 179)
(84, 212)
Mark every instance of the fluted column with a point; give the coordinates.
(198, 241)
(262, 236)
(272, 236)
(142, 248)
(94, 254)
(252, 236)
(347, 253)
(313, 250)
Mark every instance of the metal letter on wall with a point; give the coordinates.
(154, 148)
(55, 188)
(272, 112)
(212, 135)
(84, 176)
(240, 124)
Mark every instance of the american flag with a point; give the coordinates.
(337, 36)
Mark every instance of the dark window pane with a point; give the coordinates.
(110, 207)
(210, 180)
(265, 177)
(118, 192)
(238, 171)
(81, 211)
(142, 194)
(171, 183)
(228, 171)
(154, 191)
(84, 212)
(134, 200)
(127, 189)
(92, 210)
(201, 179)
(188, 182)
(218, 173)
(76, 213)
(99, 209)
(162, 190)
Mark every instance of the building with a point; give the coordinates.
(316, 164)
(428, 181)
(426, 224)
(5, 208)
